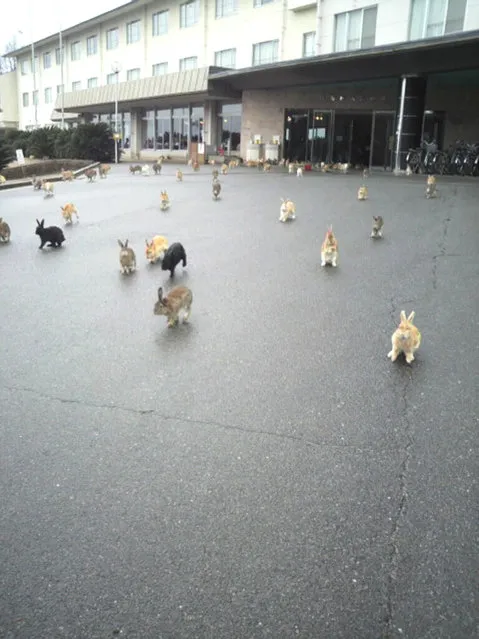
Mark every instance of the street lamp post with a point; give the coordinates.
(116, 68)
(62, 80)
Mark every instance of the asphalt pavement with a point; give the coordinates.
(264, 470)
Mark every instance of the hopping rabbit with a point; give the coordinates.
(178, 299)
(378, 224)
(164, 201)
(68, 211)
(287, 210)
(155, 250)
(363, 192)
(329, 249)
(4, 231)
(405, 339)
(52, 234)
(127, 258)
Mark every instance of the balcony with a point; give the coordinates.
(300, 5)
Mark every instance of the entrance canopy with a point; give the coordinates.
(434, 55)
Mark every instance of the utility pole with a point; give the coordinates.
(62, 97)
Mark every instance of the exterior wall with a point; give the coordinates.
(284, 20)
(460, 106)
(264, 111)
(8, 100)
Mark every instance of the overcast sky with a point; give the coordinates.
(44, 17)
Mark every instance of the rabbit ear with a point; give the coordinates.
(147, 243)
(42, 222)
(160, 294)
(403, 316)
(126, 243)
(121, 243)
(411, 316)
(38, 222)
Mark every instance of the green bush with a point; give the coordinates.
(85, 142)
(6, 155)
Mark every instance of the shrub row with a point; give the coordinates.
(93, 142)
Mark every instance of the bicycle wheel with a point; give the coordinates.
(440, 161)
(413, 160)
(468, 164)
(475, 168)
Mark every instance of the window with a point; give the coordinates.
(112, 38)
(186, 64)
(24, 67)
(433, 18)
(265, 52)
(180, 128)
(111, 78)
(59, 89)
(197, 122)
(355, 29)
(47, 60)
(75, 50)
(92, 45)
(148, 130)
(309, 44)
(48, 95)
(189, 13)
(159, 22)
(261, 3)
(133, 32)
(160, 69)
(226, 8)
(76, 86)
(133, 74)
(163, 128)
(92, 83)
(25, 99)
(230, 118)
(226, 58)
(58, 55)
(35, 97)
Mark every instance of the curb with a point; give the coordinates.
(54, 178)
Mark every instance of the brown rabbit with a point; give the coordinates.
(178, 299)
(406, 338)
(4, 231)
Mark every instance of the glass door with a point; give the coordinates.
(319, 136)
(382, 140)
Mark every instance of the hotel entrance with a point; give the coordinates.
(364, 139)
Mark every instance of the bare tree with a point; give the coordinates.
(7, 63)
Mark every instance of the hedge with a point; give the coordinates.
(92, 142)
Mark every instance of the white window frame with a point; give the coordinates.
(219, 54)
(426, 24)
(92, 50)
(260, 44)
(75, 51)
(112, 38)
(261, 3)
(133, 74)
(47, 58)
(59, 89)
(189, 14)
(92, 83)
(35, 97)
(26, 99)
(133, 31)
(157, 22)
(158, 66)
(305, 39)
(225, 8)
(48, 95)
(185, 63)
(348, 19)
(112, 78)
(76, 86)
(24, 67)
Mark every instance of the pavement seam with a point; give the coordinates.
(152, 411)
(442, 251)
(401, 511)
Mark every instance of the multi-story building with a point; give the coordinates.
(329, 79)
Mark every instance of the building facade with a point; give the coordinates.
(180, 77)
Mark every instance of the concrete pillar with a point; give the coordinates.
(210, 127)
(412, 97)
(136, 133)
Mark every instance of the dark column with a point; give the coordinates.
(412, 96)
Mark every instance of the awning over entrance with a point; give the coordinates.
(169, 90)
(449, 53)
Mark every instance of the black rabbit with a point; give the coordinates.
(52, 234)
(173, 256)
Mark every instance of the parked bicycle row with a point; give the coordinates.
(459, 159)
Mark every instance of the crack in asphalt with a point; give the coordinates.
(189, 420)
(401, 511)
(442, 250)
